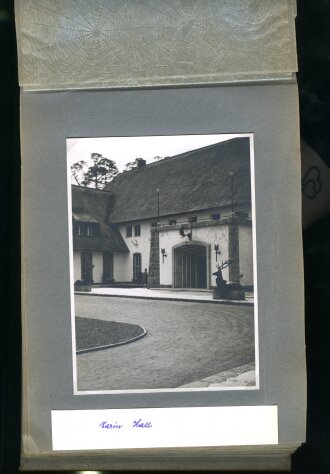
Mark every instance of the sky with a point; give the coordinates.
(125, 149)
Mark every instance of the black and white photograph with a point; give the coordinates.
(163, 263)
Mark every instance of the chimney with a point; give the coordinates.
(140, 162)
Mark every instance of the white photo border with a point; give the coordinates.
(255, 280)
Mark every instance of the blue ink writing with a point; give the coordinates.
(140, 424)
(110, 426)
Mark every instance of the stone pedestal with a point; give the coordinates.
(233, 250)
(230, 291)
(236, 295)
(154, 264)
(217, 294)
(80, 286)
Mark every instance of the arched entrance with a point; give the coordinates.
(191, 266)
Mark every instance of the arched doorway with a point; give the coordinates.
(191, 266)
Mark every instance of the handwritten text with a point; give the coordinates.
(117, 426)
(110, 426)
(142, 424)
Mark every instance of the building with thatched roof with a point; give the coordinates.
(177, 217)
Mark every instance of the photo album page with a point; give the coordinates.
(162, 276)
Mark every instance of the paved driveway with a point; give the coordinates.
(185, 342)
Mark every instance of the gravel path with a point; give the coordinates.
(185, 342)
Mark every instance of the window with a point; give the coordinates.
(89, 230)
(215, 216)
(192, 219)
(172, 222)
(86, 229)
(137, 230)
(128, 231)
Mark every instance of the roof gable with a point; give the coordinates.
(94, 206)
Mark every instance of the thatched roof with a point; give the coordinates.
(192, 181)
(93, 206)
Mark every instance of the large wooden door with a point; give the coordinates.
(137, 267)
(201, 280)
(190, 266)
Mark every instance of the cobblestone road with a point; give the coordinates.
(185, 342)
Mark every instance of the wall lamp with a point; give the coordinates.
(164, 254)
(217, 251)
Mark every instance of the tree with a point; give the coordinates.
(101, 172)
(77, 171)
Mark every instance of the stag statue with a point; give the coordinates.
(224, 290)
(219, 280)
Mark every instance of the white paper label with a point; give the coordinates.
(164, 427)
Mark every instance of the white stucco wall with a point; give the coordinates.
(97, 262)
(76, 266)
(201, 216)
(246, 255)
(207, 235)
(168, 238)
(121, 267)
(140, 244)
(98, 267)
